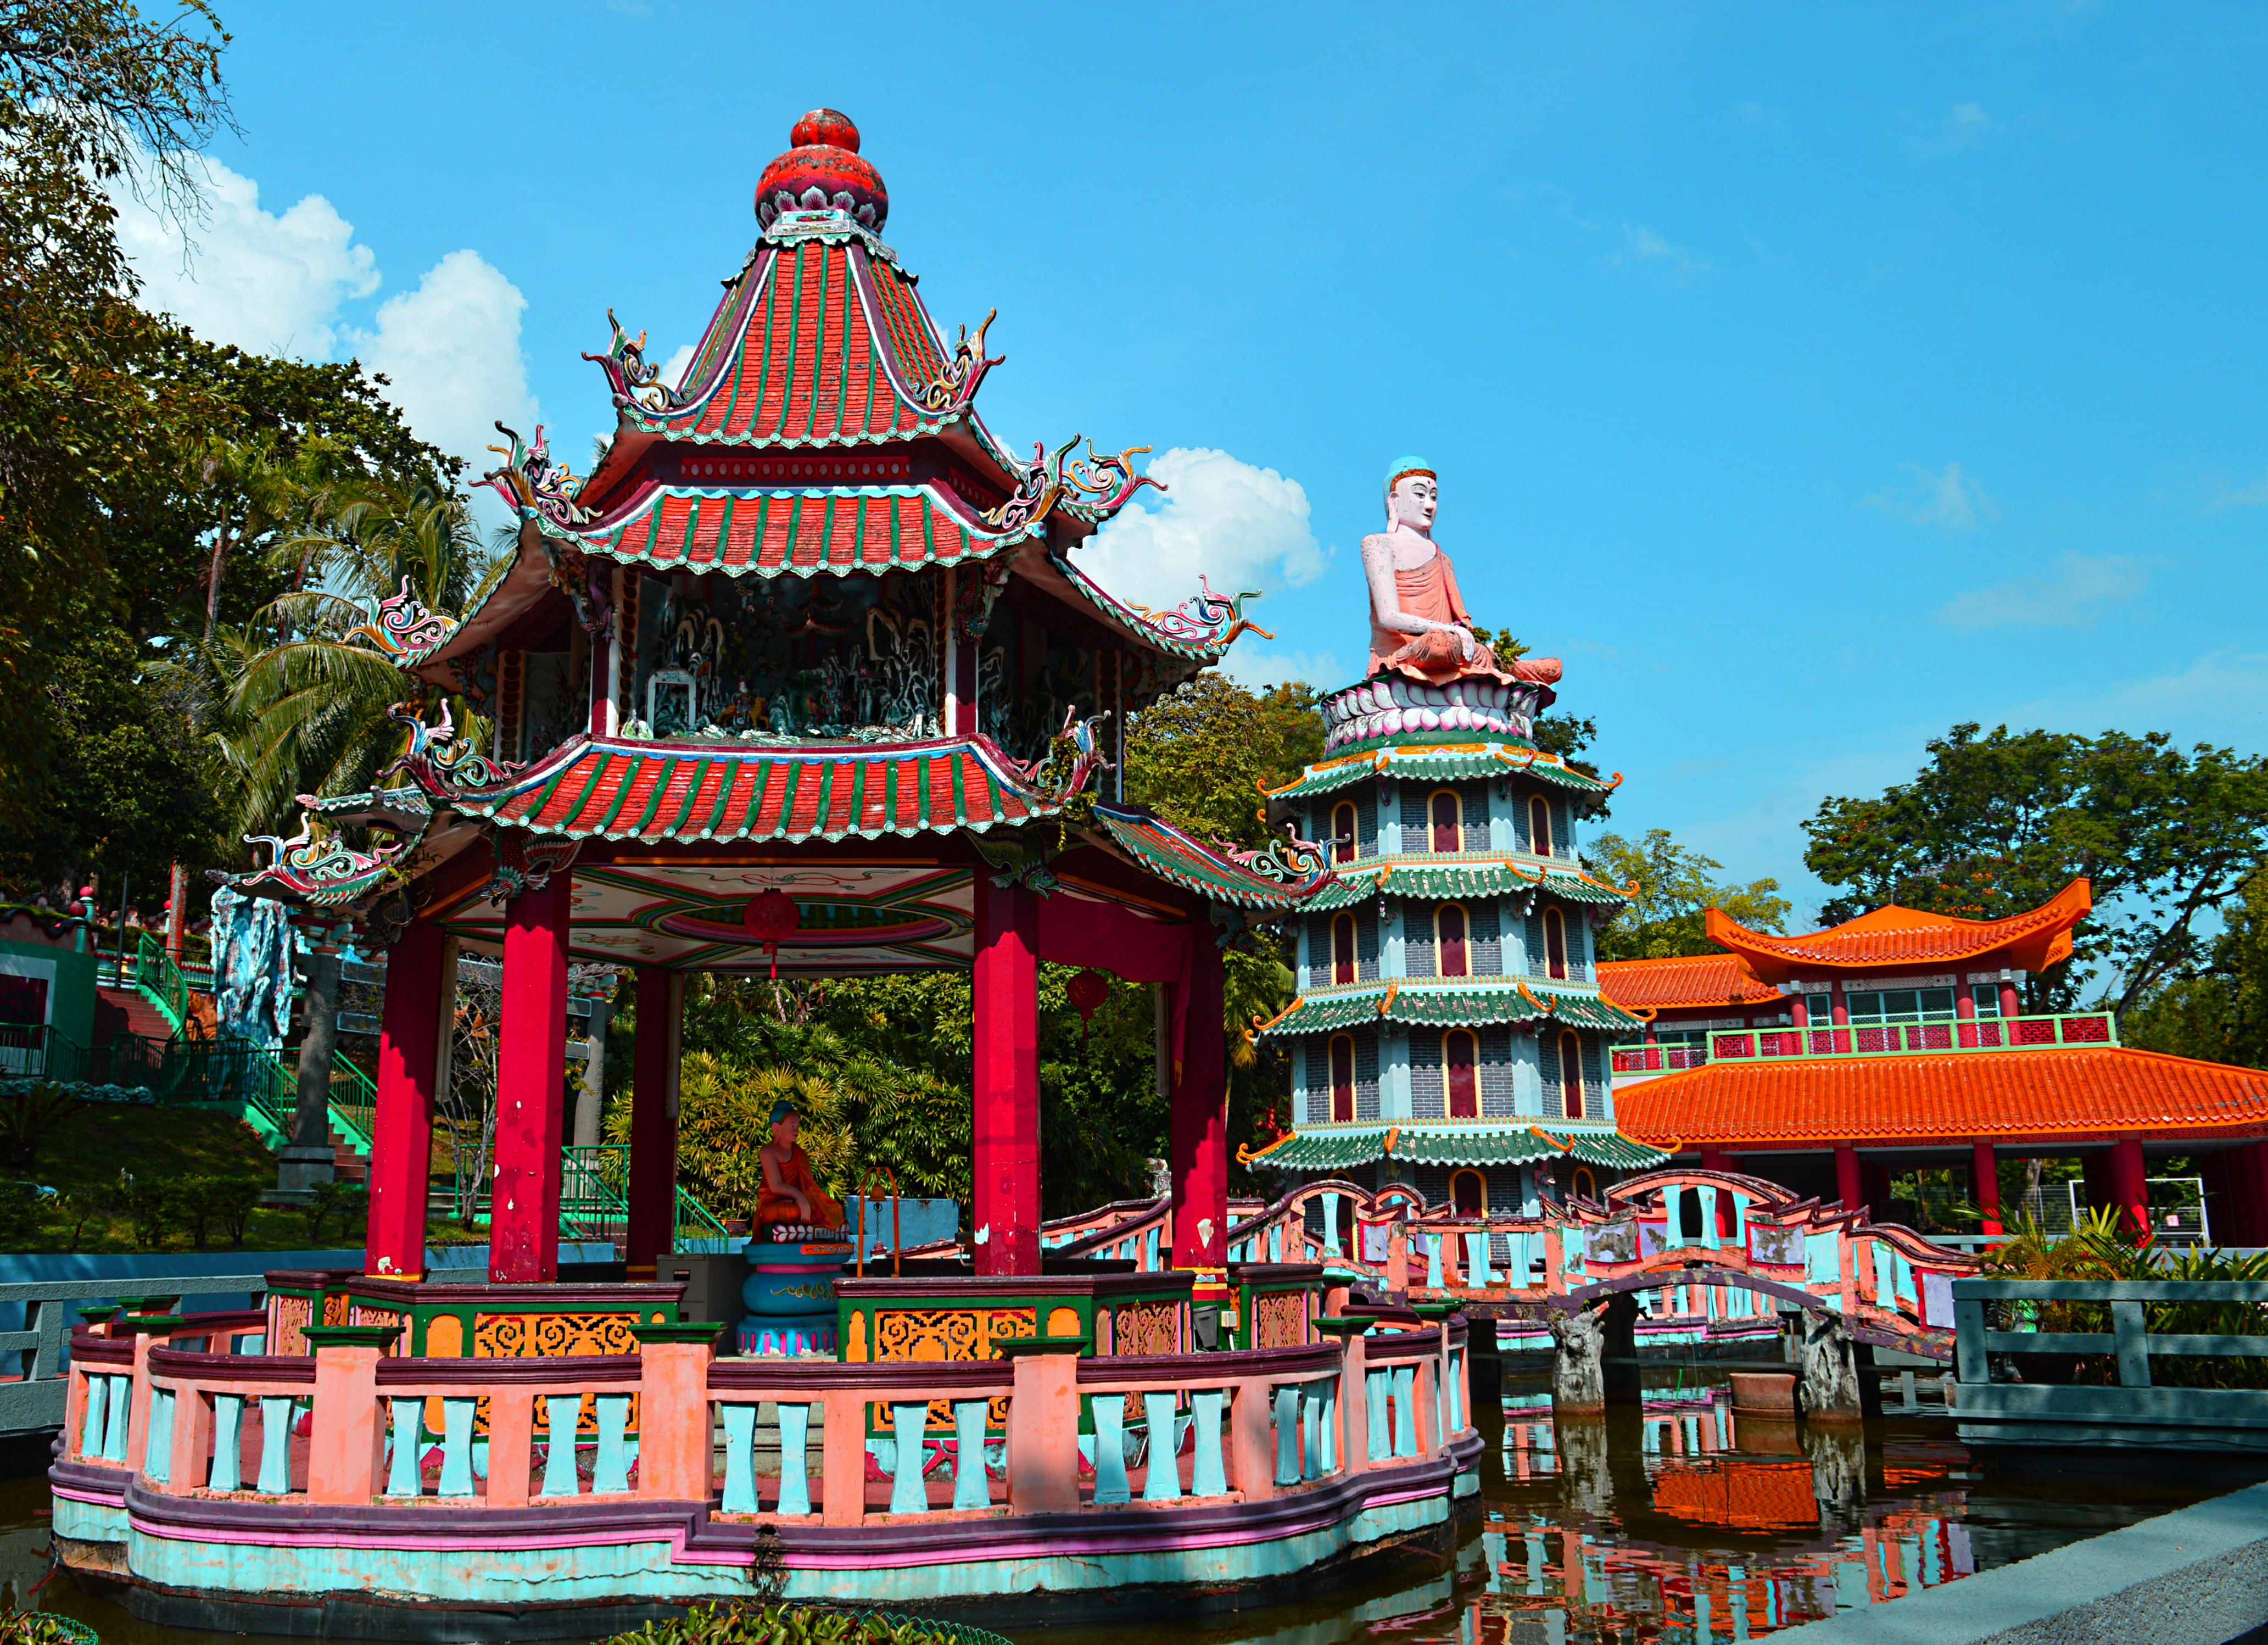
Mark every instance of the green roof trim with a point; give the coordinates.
(1444, 879)
(1511, 1142)
(1435, 761)
(1433, 1004)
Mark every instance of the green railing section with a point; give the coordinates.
(1905, 1039)
(160, 980)
(594, 1197)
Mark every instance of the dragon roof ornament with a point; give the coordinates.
(437, 762)
(402, 626)
(1092, 489)
(531, 482)
(950, 392)
(637, 385)
(324, 873)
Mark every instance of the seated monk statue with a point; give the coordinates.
(1419, 624)
(790, 1193)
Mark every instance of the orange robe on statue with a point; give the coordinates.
(775, 1207)
(1430, 591)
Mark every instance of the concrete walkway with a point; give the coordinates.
(2198, 1576)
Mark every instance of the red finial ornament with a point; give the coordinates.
(771, 917)
(1087, 991)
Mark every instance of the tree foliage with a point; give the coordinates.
(1998, 822)
(1674, 889)
(2219, 1013)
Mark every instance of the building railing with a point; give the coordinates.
(1891, 1039)
(34, 1398)
(998, 1434)
(1651, 1059)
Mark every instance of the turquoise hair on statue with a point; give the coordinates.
(1406, 466)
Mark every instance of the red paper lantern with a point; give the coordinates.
(771, 917)
(1087, 991)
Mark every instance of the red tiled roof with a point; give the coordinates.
(871, 527)
(2032, 940)
(623, 790)
(793, 357)
(2092, 1091)
(1693, 980)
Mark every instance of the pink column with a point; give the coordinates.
(2128, 1192)
(1006, 1120)
(653, 1129)
(1985, 1182)
(1198, 1136)
(531, 1087)
(2012, 1003)
(1964, 1014)
(1799, 1012)
(401, 1132)
(1846, 1178)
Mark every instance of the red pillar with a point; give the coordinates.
(402, 1133)
(1984, 1183)
(653, 1126)
(1197, 1146)
(531, 1087)
(2128, 1192)
(1964, 1011)
(1846, 1178)
(2012, 1003)
(1007, 1122)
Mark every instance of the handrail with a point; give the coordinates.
(2091, 1029)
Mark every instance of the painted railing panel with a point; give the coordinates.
(1899, 1039)
(1648, 1058)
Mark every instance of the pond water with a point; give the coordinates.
(1682, 1523)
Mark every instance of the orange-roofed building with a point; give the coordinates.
(1828, 1059)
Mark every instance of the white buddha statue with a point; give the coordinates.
(1419, 624)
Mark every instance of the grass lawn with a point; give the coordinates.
(85, 1155)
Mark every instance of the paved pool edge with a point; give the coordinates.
(2195, 1576)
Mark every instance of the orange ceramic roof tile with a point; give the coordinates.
(1694, 979)
(2032, 940)
(2094, 1091)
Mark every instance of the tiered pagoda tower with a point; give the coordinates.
(1449, 1031)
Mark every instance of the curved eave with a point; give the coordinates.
(1058, 575)
(1444, 880)
(1424, 1003)
(1438, 761)
(1514, 1141)
(619, 788)
(2032, 940)
(1162, 849)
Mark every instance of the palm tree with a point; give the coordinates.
(305, 711)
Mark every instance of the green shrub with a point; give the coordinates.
(217, 1204)
(800, 1625)
(350, 1202)
(24, 1213)
(150, 1205)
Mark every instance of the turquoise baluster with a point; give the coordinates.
(740, 1460)
(157, 1461)
(561, 1414)
(228, 1422)
(611, 1470)
(1476, 1263)
(970, 1489)
(795, 1460)
(1110, 1450)
(1377, 1384)
(115, 1423)
(1434, 1272)
(1164, 1483)
(1311, 1438)
(910, 1420)
(456, 1446)
(1207, 1476)
(1405, 1411)
(1709, 1238)
(275, 1446)
(1456, 1400)
(402, 1475)
(1287, 1434)
(98, 1406)
(1327, 1398)
(1331, 1226)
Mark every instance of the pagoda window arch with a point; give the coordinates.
(1539, 826)
(1452, 951)
(1469, 1193)
(1460, 1074)
(1583, 1185)
(1342, 1059)
(1571, 1075)
(1445, 811)
(1342, 948)
(1555, 944)
(1346, 838)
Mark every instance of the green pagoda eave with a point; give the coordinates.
(1435, 761)
(1446, 1005)
(1447, 879)
(1342, 1147)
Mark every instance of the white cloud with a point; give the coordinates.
(1642, 246)
(1242, 527)
(267, 283)
(1951, 501)
(450, 350)
(1262, 668)
(2072, 595)
(2219, 494)
(673, 369)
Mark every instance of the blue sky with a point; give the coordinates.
(1808, 378)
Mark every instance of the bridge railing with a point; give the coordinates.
(37, 1397)
(2136, 1410)
(1897, 1039)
